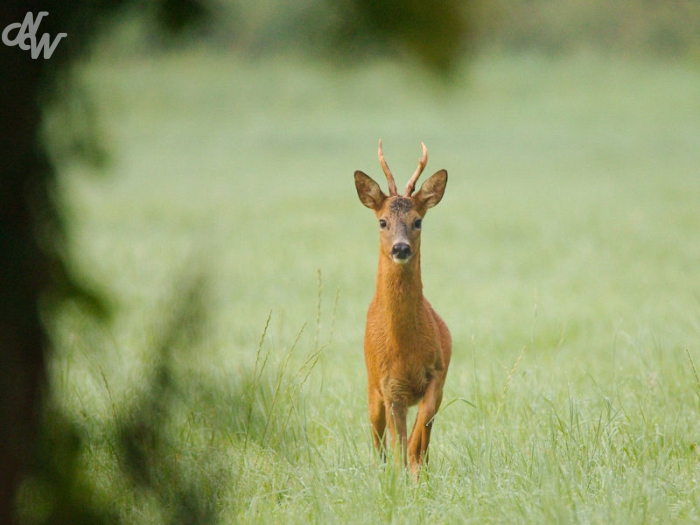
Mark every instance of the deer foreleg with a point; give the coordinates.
(396, 420)
(377, 418)
(420, 435)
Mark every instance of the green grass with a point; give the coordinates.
(564, 259)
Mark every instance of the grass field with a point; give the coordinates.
(565, 259)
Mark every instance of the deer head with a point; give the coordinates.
(400, 217)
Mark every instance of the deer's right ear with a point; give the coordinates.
(370, 193)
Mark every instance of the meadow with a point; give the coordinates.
(238, 261)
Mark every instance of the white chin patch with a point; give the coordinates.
(400, 261)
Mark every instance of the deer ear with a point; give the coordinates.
(370, 193)
(432, 190)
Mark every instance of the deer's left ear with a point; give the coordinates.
(432, 190)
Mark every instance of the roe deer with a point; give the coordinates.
(407, 345)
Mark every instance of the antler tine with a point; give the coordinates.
(421, 166)
(387, 172)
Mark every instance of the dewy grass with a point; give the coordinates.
(569, 230)
(258, 369)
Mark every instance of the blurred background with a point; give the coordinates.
(186, 266)
(439, 34)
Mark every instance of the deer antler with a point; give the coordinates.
(421, 166)
(387, 172)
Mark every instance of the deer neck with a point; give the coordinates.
(399, 291)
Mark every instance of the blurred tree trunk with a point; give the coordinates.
(31, 235)
(24, 266)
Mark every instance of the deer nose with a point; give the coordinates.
(401, 251)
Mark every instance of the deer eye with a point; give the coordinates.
(382, 223)
(417, 224)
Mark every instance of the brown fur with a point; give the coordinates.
(407, 345)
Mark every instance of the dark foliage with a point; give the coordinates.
(32, 269)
